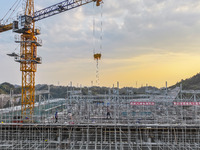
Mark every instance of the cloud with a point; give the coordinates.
(133, 32)
(154, 25)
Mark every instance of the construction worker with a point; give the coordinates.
(70, 115)
(108, 112)
(56, 116)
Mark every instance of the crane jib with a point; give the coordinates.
(50, 11)
(60, 7)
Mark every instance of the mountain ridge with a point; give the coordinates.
(192, 83)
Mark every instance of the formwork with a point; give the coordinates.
(136, 122)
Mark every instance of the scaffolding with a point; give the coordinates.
(107, 122)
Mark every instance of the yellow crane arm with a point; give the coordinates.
(6, 27)
(53, 10)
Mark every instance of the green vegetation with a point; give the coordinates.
(192, 83)
(63, 91)
(5, 88)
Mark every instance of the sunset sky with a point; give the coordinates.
(144, 42)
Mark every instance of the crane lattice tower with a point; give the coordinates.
(28, 58)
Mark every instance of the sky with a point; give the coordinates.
(144, 42)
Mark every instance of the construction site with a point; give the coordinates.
(166, 120)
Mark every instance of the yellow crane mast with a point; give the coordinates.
(28, 59)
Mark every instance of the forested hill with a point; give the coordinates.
(61, 91)
(5, 88)
(192, 83)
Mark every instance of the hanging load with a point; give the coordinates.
(97, 56)
(97, 38)
(98, 2)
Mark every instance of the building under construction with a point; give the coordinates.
(155, 120)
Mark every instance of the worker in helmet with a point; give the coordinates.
(108, 112)
(56, 117)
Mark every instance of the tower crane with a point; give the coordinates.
(28, 58)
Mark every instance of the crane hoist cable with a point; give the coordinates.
(97, 56)
(15, 5)
(101, 34)
(93, 29)
(8, 11)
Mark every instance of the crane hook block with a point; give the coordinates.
(97, 56)
(98, 2)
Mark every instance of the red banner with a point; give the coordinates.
(186, 103)
(142, 103)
